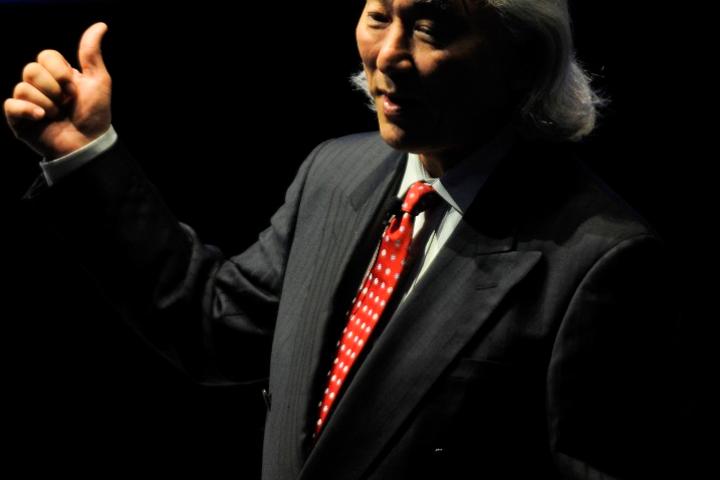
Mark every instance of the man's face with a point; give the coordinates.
(437, 76)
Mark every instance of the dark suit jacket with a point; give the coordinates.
(535, 346)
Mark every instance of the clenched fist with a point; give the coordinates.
(57, 109)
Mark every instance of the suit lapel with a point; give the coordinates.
(427, 332)
(360, 211)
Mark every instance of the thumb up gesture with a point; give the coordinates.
(57, 109)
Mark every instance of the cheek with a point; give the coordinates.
(365, 47)
(459, 85)
(447, 86)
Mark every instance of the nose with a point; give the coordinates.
(394, 54)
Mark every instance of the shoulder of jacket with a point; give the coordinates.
(570, 209)
(353, 143)
(350, 154)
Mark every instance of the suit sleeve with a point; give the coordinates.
(612, 386)
(211, 316)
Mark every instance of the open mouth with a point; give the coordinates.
(396, 105)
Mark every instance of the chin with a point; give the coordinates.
(397, 137)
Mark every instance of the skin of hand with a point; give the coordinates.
(57, 109)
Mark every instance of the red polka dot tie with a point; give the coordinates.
(374, 294)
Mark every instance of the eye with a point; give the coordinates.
(438, 32)
(377, 17)
(426, 29)
(431, 32)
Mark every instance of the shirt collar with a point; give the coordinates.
(460, 184)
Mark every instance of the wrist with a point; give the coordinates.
(55, 169)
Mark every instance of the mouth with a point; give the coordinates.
(396, 105)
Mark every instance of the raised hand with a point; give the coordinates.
(57, 109)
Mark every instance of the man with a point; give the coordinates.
(522, 331)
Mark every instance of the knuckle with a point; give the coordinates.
(31, 70)
(12, 110)
(21, 90)
(47, 55)
(55, 63)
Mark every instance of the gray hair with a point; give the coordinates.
(559, 104)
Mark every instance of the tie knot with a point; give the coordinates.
(417, 198)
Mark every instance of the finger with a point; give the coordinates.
(36, 75)
(56, 65)
(27, 92)
(17, 110)
(89, 52)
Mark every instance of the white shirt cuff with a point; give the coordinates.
(55, 169)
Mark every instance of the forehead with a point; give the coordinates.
(459, 8)
(441, 4)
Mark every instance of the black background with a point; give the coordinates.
(198, 88)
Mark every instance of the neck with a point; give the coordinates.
(437, 163)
